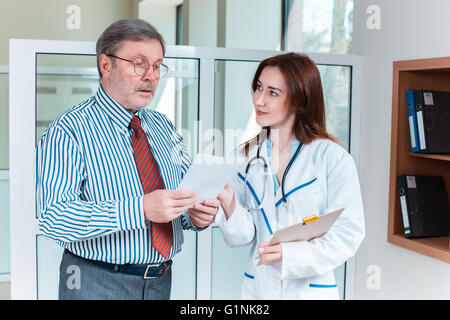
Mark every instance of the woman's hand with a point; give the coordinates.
(269, 253)
(203, 214)
(227, 200)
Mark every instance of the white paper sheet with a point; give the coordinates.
(208, 175)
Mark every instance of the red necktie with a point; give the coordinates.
(162, 235)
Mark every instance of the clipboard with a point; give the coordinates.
(310, 228)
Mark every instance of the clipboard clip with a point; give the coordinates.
(310, 219)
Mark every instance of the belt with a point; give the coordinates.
(147, 271)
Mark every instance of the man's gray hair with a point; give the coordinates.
(122, 30)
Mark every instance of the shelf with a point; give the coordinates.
(437, 247)
(429, 74)
(443, 157)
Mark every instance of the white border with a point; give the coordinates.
(22, 143)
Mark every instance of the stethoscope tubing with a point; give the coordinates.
(287, 170)
(258, 157)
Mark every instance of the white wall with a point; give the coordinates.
(410, 29)
(46, 19)
(202, 27)
(255, 25)
(162, 15)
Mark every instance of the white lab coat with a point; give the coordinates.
(323, 177)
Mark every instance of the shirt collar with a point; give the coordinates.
(118, 114)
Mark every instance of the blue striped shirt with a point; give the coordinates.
(89, 195)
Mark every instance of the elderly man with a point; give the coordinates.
(107, 173)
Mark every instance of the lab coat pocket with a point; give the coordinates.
(306, 200)
(322, 291)
(248, 291)
(323, 287)
(308, 187)
(248, 283)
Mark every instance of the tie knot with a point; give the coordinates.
(135, 124)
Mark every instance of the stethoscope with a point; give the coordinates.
(259, 161)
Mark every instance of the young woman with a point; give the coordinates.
(307, 172)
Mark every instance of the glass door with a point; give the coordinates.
(65, 80)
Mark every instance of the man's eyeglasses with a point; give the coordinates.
(142, 67)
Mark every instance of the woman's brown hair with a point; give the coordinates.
(304, 97)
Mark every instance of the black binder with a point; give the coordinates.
(423, 200)
(433, 119)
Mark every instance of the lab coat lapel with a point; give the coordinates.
(268, 214)
(300, 175)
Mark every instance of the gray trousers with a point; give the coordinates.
(82, 280)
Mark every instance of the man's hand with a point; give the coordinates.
(203, 214)
(163, 206)
(269, 253)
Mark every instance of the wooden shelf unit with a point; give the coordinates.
(443, 157)
(427, 74)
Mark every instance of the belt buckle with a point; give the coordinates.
(155, 265)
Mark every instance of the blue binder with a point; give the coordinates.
(412, 120)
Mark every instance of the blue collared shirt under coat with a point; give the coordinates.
(294, 145)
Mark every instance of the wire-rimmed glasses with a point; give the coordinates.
(141, 68)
